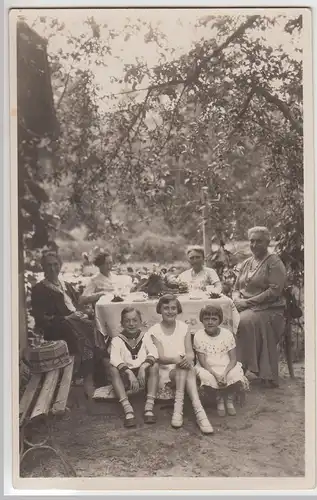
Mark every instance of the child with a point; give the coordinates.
(217, 366)
(133, 358)
(173, 342)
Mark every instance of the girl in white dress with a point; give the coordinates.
(217, 366)
(176, 360)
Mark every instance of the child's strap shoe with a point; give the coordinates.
(177, 420)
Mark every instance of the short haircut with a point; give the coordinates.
(50, 253)
(129, 309)
(260, 229)
(101, 258)
(195, 248)
(211, 310)
(166, 299)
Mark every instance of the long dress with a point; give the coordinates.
(173, 345)
(263, 322)
(56, 316)
(216, 350)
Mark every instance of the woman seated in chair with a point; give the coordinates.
(100, 284)
(259, 299)
(199, 276)
(105, 281)
(57, 315)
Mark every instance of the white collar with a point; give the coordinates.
(193, 273)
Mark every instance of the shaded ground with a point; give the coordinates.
(265, 439)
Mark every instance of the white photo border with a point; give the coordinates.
(9, 300)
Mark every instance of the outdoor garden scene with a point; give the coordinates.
(160, 178)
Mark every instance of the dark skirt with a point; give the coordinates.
(257, 340)
(79, 334)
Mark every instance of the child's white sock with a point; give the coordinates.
(179, 402)
(150, 400)
(127, 408)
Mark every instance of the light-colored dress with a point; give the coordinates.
(102, 283)
(207, 276)
(216, 350)
(173, 345)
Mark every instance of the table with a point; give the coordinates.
(108, 314)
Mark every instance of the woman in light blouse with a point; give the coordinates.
(199, 275)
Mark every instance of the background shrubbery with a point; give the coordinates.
(148, 246)
(160, 248)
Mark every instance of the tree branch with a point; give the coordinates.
(175, 81)
(194, 75)
(64, 90)
(173, 116)
(191, 78)
(238, 32)
(68, 75)
(142, 112)
(125, 137)
(242, 112)
(281, 106)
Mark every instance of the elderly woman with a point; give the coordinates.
(55, 310)
(259, 300)
(199, 276)
(105, 281)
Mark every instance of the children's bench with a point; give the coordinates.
(45, 397)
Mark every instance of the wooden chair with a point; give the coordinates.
(292, 311)
(45, 397)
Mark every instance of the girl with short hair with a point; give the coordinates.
(176, 360)
(217, 366)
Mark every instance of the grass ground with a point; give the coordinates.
(265, 439)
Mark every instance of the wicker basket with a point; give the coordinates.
(47, 356)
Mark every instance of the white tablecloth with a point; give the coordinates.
(108, 314)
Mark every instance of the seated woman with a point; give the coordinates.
(104, 281)
(199, 276)
(217, 365)
(259, 300)
(173, 342)
(133, 365)
(55, 310)
(101, 283)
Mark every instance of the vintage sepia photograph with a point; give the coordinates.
(160, 202)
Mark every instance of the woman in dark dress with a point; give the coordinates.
(57, 317)
(260, 302)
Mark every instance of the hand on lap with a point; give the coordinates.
(141, 376)
(134, 384)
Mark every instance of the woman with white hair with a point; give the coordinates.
(260, 302)
(199, 276)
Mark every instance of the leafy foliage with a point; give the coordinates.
(226, 115)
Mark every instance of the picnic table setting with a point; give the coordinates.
(108, 309)
(147, 292)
